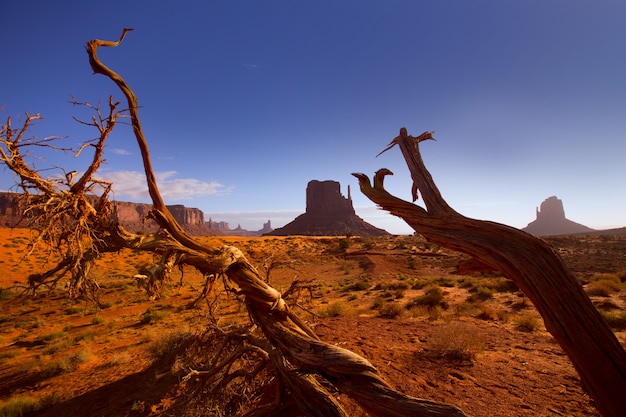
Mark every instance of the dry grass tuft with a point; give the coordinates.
(455, 341)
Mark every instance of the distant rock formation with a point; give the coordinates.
(223, 229)
(551, 221)
(267, 228)
(131, 216)
(221, 226)
(328, 213)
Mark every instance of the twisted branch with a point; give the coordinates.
(297, 352)
(529, 261)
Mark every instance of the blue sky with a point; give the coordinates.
(244, 102)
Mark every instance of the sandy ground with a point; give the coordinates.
(79, 360)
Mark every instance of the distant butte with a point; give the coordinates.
(551, 221)
(328, 213)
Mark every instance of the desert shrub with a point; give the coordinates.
(503, 316)
(487, 313)
(19, 405)
(5, 293)
(152, 315)
(97, 319)
(420, 283)
(454, 341)
(378, 301)
(87, 336)
(527, 323)
(167, 343)
(432, 297)
(8, 354)
(369, 245)
(480, 294)
(336, 309)
(602, 287)
(522, 303)
(466, 309)
(66, 364)
(399, 285)
(399, 293)
(435, 313)
(468, 282)
(358, 286)
(390, 310)
(615, 319)
(51, 337)
(386, 294)
(445, 282)
(81, 357)
(605, 277)
(621, 275)
(74, 310)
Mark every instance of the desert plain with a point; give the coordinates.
(437, 326)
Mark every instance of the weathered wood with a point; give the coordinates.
(530, 262)
(297, 353)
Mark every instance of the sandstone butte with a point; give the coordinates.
(328, 213)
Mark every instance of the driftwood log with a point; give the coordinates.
(301, 358)
(529, 261)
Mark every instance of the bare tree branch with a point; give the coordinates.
(528, 261)
(294, 343)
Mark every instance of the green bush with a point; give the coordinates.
(432, 297)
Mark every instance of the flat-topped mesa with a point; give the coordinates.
(551, 220)
(328, 213)
(324, 198)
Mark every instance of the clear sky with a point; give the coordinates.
(244, 102)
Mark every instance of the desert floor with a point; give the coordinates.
(463, 336)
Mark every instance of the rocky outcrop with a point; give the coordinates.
(133, 216)
(267, 228)
(328, 213)
(551, 221)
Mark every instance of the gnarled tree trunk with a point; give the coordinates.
(529, 261)
(298, 354)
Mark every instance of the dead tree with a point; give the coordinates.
(528, 261)
(299, 356)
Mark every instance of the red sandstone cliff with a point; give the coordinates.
(130, 215)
